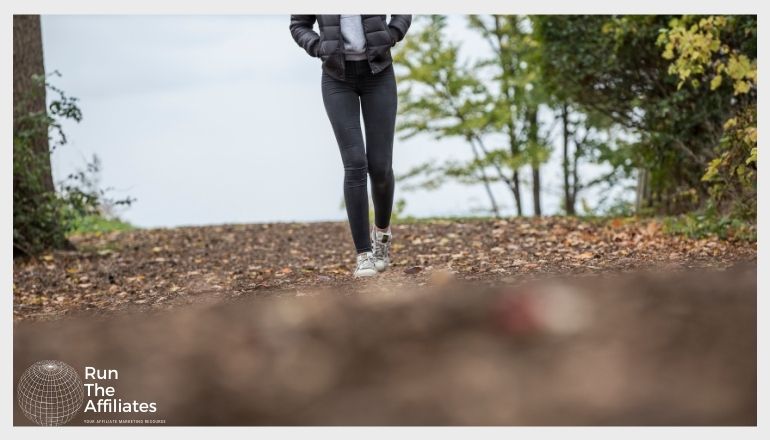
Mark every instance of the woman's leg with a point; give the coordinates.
(379, 99)
(342, 106)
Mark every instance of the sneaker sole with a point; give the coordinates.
(381, 266)
(365, 273)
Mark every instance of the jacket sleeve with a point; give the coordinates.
(301, 27)
(400, 23)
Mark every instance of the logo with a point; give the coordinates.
(50, 393)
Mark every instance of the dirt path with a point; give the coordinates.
(166, 268)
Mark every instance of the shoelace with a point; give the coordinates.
(362, 261)
(381, 249)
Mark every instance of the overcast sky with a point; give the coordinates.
(219, 119)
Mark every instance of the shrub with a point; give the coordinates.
(42, 218)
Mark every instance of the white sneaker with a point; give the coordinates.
(365, 266)
(381, 245)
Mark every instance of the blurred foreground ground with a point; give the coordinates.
(638, 350)
(570, 324)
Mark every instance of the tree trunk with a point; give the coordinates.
(506, 65)
(515, 175)
(569, 201)
(33, 183)
(532, 138)
(517, 192)
(642, 191)
(536, 190)
(29, 95)
(575, 174)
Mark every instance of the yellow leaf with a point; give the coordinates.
(741, 87)
(712, 170)
(752, 157)
(716, 82)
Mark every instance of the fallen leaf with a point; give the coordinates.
(585, 256)
(412, 270)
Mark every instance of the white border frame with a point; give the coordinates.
(225, 7)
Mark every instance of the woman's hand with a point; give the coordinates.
(393, 36)
(398, 26)
(301, 27)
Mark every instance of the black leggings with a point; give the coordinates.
(376, 96)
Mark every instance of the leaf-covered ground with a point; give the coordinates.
(164, 268)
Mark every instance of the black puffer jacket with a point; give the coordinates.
(380, 37)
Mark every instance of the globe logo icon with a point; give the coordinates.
(50, 393)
